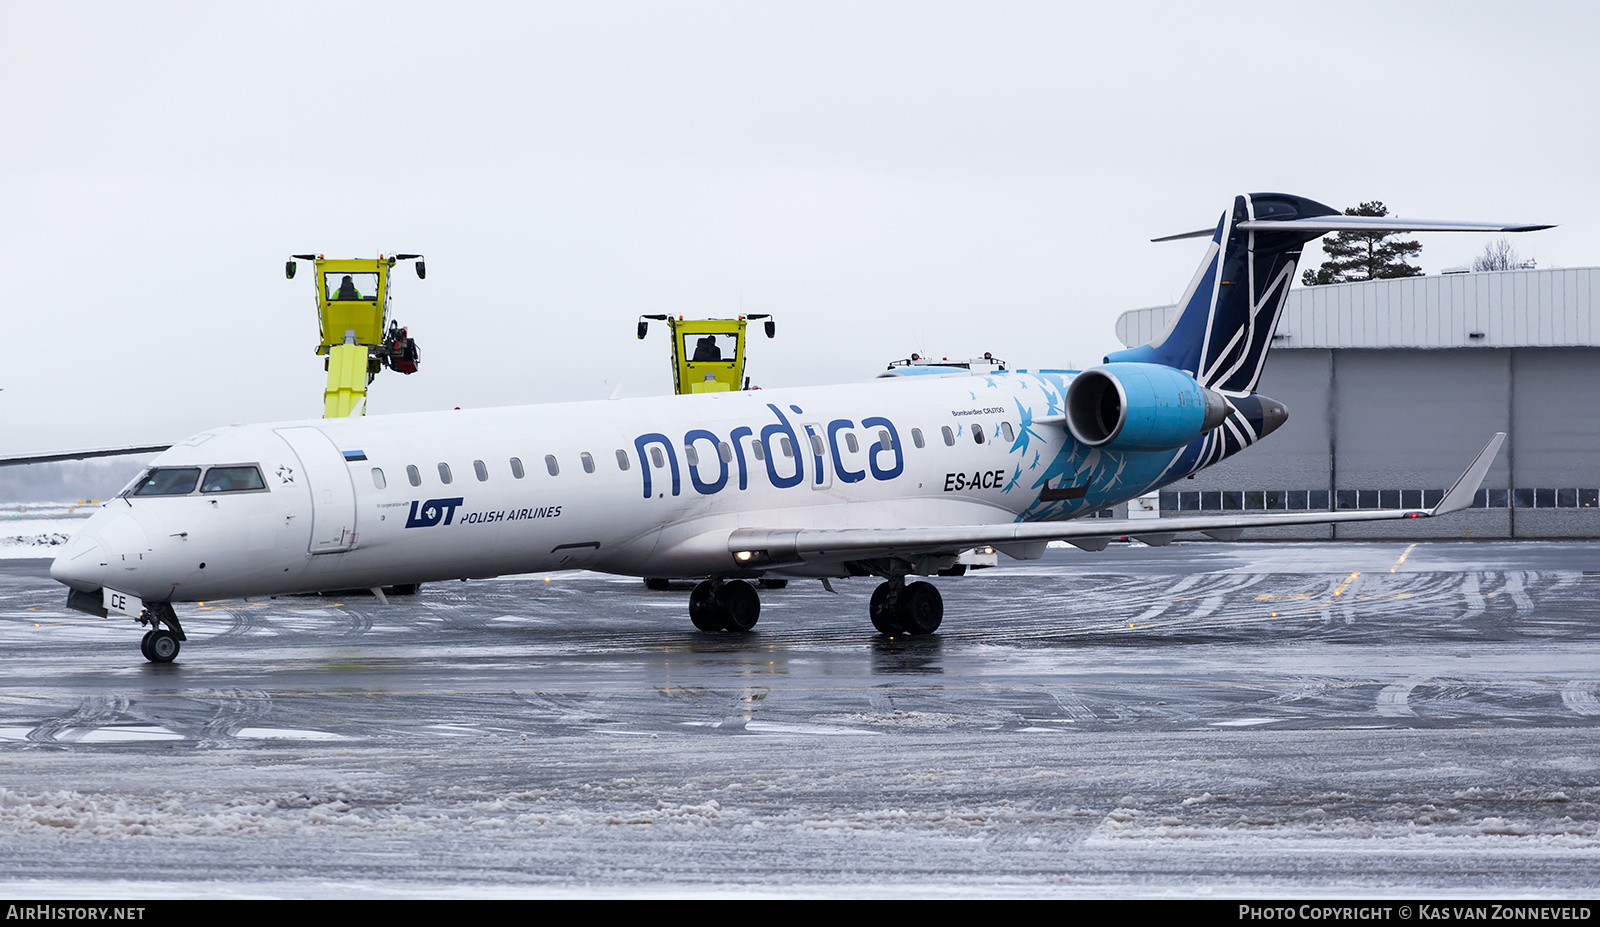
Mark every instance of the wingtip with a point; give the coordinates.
(1466, 488)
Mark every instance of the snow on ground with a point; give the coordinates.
(1189, 721)
(39, 529)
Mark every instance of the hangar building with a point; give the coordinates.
(1394, 385)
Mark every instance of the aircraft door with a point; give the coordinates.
(333, 496)
(817, 445)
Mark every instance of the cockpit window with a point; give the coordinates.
(232, 479)
(134, 483)
(168, 481)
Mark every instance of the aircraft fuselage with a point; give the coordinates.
(648, 487)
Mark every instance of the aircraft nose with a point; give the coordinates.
(110, 549)
(82, 564)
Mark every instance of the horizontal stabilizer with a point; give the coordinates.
(1382, 224)
(1321, 224)
(1197, 233)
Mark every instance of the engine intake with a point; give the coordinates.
(1141, 407)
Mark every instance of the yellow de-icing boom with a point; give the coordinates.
(707, 354)
(357, 336)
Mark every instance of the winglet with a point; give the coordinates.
(1461, 494)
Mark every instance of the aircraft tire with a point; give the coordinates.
(703, 610)
(144, 645)
(883, 618)
(163, 647)
(921, 608)
(739, 605)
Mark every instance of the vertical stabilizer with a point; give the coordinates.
(1225, 319)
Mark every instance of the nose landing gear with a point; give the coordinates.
(161, 645)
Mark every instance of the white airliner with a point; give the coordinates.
(892, 478)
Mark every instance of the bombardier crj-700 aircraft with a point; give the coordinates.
(891, 478)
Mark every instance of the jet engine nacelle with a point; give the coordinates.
(1141, 407)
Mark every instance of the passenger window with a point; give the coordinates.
(168, 481)
(1007, 432)
(851, 442)
(588, 461)
(916, 437)
(655, 455)
(481, 470)
(377, 478)
(885, 440)
(444, 473)
(816, 445)
(759, 449)
(690, 455)
(977, 433)
(949, 436)
(622, 459)
(516, 468)
(551, 465)
(414, 475)
(788, 449)
(233, 479)
(725, 452)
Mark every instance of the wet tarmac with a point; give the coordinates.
(1200, 720)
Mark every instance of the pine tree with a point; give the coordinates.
(1356, 256)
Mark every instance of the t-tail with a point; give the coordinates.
(1226, 318)
(1218, 339)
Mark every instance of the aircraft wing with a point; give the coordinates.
(82, 455)
(760, 547)
(61, 455)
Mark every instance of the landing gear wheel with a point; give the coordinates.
(883, 617)
(144, 645)
(162, 647)
(739, 605)
(703, 610)
(921, 608)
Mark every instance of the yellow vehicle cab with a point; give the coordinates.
(357, 336)
(707, 354)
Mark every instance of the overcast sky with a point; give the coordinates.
(948, 178)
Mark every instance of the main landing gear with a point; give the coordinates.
(897, 608)
(715, 605)
(161, 645)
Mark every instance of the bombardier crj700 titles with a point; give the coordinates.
(892, 478)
